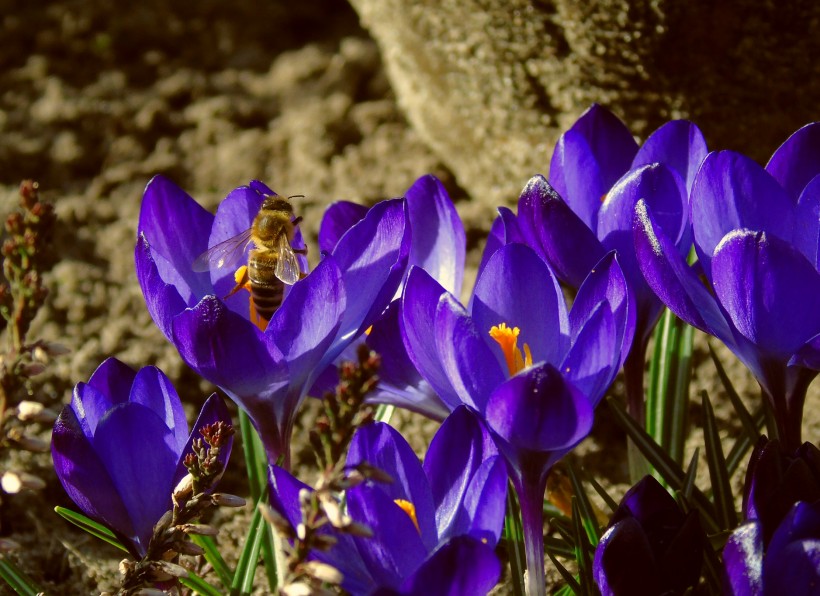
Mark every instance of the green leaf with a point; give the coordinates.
(670, 471)
(242, 584)
(737, 454)
(721, 486)
(89, 525)
(16, 579)
(583, 548)
(610, 502)
(691, 474)
(572, 583)
(384, 412)
(256, 463)
(212, 555)
(559, 547)
(199, 585)
(750, 427)
(588, 519)
(668, 390)
(514, 537)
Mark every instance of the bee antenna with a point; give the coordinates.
(296, 197)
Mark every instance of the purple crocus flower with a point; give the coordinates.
(650, 546)
(438, 246)
(266, 369)
(597, 173)
(118, 448)
(776, 480)
(532, 370)
(756, 234)
(435, 526)
(790, 564)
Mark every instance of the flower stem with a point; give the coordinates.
(633, 379)
(530, 489)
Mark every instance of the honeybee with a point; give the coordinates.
(272, 261)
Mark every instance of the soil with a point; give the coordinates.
(96, 99)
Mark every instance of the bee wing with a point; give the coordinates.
(225, 254)
(287, 265)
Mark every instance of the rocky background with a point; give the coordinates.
(95, 98)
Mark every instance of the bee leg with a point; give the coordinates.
(297, 220)
(300, 251)
(242, 280)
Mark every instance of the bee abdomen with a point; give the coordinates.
(267, 298)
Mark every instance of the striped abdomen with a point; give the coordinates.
(267, 290)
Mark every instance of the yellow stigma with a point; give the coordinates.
(507, 339)
(410, 510)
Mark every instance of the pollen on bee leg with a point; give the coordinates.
(410, 510)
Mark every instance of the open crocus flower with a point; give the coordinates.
(597, 173)
(118, 448)
(532, 370)
(438, 246)
(435, 526)
(756, 234)
(266, 368)
(790, 564)
(650, 547)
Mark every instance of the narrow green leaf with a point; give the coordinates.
(16, 579)
(256, 463)
(564, 527)
(384, 412)
(559, 547)
(588, 519)
(90, 526)
(212, 555)
(565, 590)
(719, 475)
(691, 473)
(737, 454)
(657, 457)
(572, 583)
(242, 584)
(746, 419)
(610, 502)
(199, 585)
(582, 548)
(514, 537)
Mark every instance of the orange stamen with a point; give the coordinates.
(507, 339)
(410, 510)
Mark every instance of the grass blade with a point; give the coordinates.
(89, 525)
(212, 555)
(514, 537)
(384, 412)
(582, 547)
(746, 419)
(242, 584)
(610, 502)
(199, 585)
(691, 473)
(657, 457)
(572, 583)
(721, 487)
(737, 454)
(16, 579)
(588, 518)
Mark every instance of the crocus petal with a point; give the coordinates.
(743, 560)
(679, 145)
(306, 324)
(439, 241)
(537, 410)
(589, 158)
(485, 501)
(162, 299)
(380, 445)
(623, 549)
(797, 160)
(518, 288)
(461, 566)
(732, 191)
(589, 363)
(504, 230)
(339, 217)
(671, 278)
(84, 476)
(399, 381)
(470, 365)
(556, 232)
(166, 209)
(154, 390)
(417, 318)
(807, 222)
(396, 550)
(142, 471)
(372, 257)
(284, 494)
(664, 194)
(234, 215)
(755, 279)
(453, 459)
(213, 411)
(113, 379)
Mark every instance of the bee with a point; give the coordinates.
(272, 261)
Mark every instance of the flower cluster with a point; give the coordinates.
(514, 374)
